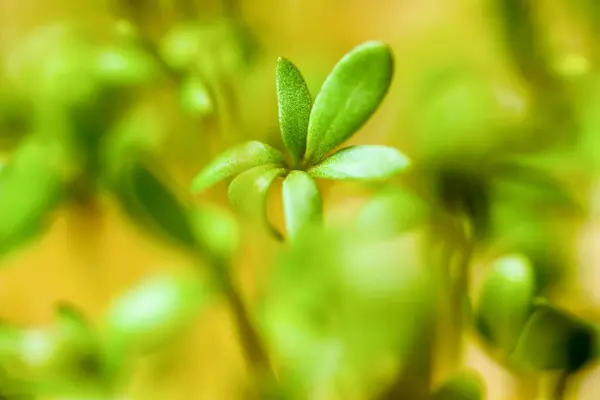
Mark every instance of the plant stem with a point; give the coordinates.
(459, 288)
(560, 391)
(252, 345)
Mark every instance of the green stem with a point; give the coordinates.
(252, 345)
(560, 390)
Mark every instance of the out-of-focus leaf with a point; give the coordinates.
(195, 97)
(153, 205)
(554, 340)
(52, 64)
(505, 300)
(124, 66)
(361, 162)
(181, 45)
(248, 192)
(150, 313)
(302, 204)
(390, 213)
(464, 386)
(223, 45)
(235, 161)
(77, 362)
(341, 314)
(465, 192)
(30, 188)
(295, 103)
(520, 33)
(528, 231)
(216, 229)
(349, 96)
(532, 186)
(462, 120)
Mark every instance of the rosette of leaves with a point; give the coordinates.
(349, 96)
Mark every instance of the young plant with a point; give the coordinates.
(350, 95)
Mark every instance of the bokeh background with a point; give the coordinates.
(91, 252)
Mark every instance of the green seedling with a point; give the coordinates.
(350, 95)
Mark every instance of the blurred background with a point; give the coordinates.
(475, 83)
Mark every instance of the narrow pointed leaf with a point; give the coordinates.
(350, 95)
(295, 104)
(235, 161)
(465, 386)
(153, 205)
(302, 204)
(248, 192)
(506, 300)
(554, 340)
(361, 162)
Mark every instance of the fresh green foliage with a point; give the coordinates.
(392, 212)
(248, 191)
(464, 386)
(153, 205)
(349, 96)
(302, 204)
(338, 310)
(24, 208)
(553, 339)
(295, 105)
(152, 311)
(348, 309)
(235, 161)
(361, 162)
(505, 300)
(216, 229)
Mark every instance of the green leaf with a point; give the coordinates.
(248, 192)
(361, 162)
(390, 213)
(338, 309)
(216, 229)
(554, 340)
(30, 188)
(302, 204)
(505, 300)
(195, 97)
(464, 386)
(235, 161)
(534, 187)
(153, 205)
(149, 314)
(295, 104)
(350, 95)
(124, 66)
